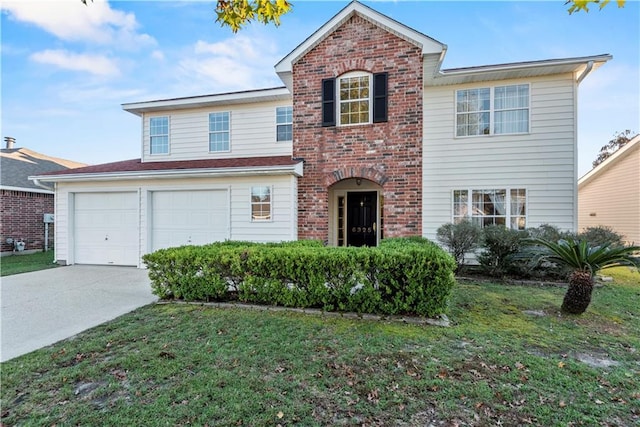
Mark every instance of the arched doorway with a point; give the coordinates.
(356, 207)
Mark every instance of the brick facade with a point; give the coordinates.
(21, 217)
(389, 153)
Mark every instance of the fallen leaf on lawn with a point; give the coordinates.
(599, 402)
(519, 366)
(561, 364)
(280, 414)
(562, 404)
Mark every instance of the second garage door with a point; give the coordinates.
(194, 217)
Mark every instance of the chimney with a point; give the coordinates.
(10, 141)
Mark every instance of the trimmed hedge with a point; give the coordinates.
(401, 276)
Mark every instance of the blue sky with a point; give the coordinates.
(67, 68)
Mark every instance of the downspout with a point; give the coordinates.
(37, 182)
(586, 72)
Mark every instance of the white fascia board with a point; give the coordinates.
(296, 170)
(516, 70)
(25, 189)
(428, 44)
(609, 161)
(260, 95)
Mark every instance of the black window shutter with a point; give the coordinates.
(380, 102)
(328, 102)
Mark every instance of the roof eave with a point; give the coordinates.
(259, 95)
(515, 70)
(295, 169)
(612, 159)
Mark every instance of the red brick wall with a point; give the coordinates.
(388, 153)
(21, 218)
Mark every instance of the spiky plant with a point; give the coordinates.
(586, 261)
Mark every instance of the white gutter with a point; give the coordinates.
(30, 190)
(586, 72)
(296, 170)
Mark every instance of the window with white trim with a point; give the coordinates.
(219, 131)
(506, 207)
(159, 135)
(353, 98)
(284, 124)
(261, 203)
(492, 111)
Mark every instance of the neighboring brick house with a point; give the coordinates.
(23, 202)
(369, 138)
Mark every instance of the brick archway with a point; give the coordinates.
(364, 172)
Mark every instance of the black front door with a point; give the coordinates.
(361, 218)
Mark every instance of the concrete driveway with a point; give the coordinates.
(44, 307)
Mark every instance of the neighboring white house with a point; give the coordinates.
(369, 138)
(609, 194)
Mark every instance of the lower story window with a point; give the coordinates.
(261, 203)
(507, 207)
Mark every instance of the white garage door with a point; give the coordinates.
(192, 217)
(106, 228)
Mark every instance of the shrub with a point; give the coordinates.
(601, 236)
(499, 248)
(402, 276)
(460, 239)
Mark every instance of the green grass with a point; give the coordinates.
(179, 364)
(14, 264)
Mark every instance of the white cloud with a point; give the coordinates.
(93, 64)
(70, 20)
(237, 63)
(157, 54)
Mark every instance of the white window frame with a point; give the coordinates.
(262, 218)
(508, 216)
(284, 123)
(492, 110)
(219, 132)
(152, 136)
(340, 101)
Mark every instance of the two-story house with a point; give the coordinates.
(368, 138)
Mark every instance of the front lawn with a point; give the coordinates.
(23, 263)
(510, 357)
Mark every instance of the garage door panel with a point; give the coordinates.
(190, 217)
(106, 228)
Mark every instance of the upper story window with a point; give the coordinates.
(492, 111)
(261, 203)
(284, 124)
(355, 98)
(159, 135)
(506, 207)
(219, 131)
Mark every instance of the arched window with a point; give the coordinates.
(355, 97)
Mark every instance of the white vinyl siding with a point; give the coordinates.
(252, 130)
(542, 161)
(237, 193)
(612, 198)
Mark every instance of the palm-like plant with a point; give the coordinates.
(586, 261)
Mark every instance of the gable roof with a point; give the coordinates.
(136, 169)
(428, 44)
(17, 164)
(610, 161)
